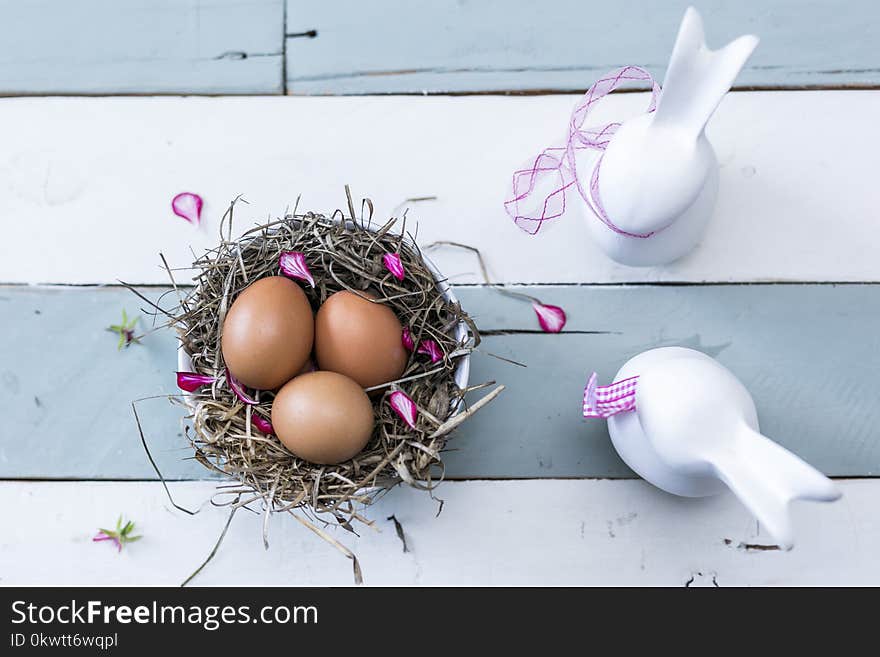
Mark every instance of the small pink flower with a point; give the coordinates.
(125, 331)
(551, 318)
(407, 339)
(236, 387)
(293, 264)
(122, 535)
(188, 206)
(404, 407)
(432, 349)
(394, 265)
(190, 381)
(262, 424)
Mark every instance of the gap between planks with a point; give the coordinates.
(580, 92)
(451, 94)
(588, 284)
(219, 479)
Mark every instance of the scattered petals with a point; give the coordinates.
(407, 339)
(404, 407)
(394, 265)
(190, 381)
(188, 206)
(432, 349)
(238, 389)
(293, 264)
(262, 424)
(551, 318)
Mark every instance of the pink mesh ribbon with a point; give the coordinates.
(605, 401)
(559, 162)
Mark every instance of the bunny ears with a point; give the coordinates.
(605, 401)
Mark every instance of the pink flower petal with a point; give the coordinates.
(188, 206)
(293, 264)
(394, 265)
(262, 424)
(238, 389)
(103, 537)
(551, 318)
(190, 381)
(407, 339)
(432, 349)
(404, 407)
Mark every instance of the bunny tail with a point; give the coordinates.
(766, 477)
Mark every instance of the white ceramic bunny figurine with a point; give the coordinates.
(659, 173)
(694, 429)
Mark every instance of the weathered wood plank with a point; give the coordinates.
(808, 353)
(90, 181)
(395, 46)
(550, 532)
(131, 46)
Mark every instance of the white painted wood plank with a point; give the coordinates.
(552, 532)
(90, 181)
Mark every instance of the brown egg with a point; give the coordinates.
(268, 333)
(360, 339)
(323, 417)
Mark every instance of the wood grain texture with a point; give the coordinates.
(91, 180)
(549, 532)
(808, 353)
(395, 46)
(132, 46)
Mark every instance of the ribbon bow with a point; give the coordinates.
(605, 401)
(560, 161)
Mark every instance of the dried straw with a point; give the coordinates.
(341, 253)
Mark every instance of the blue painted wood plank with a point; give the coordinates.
(808, 353)
(394, 46)
(132, 46)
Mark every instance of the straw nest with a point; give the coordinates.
(342, 253)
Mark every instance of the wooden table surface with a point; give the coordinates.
(114, 107)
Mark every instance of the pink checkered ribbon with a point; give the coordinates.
(559, 162)
(605, 401)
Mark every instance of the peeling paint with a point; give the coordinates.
(700, 579)
(399, 529)
(753, 547)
